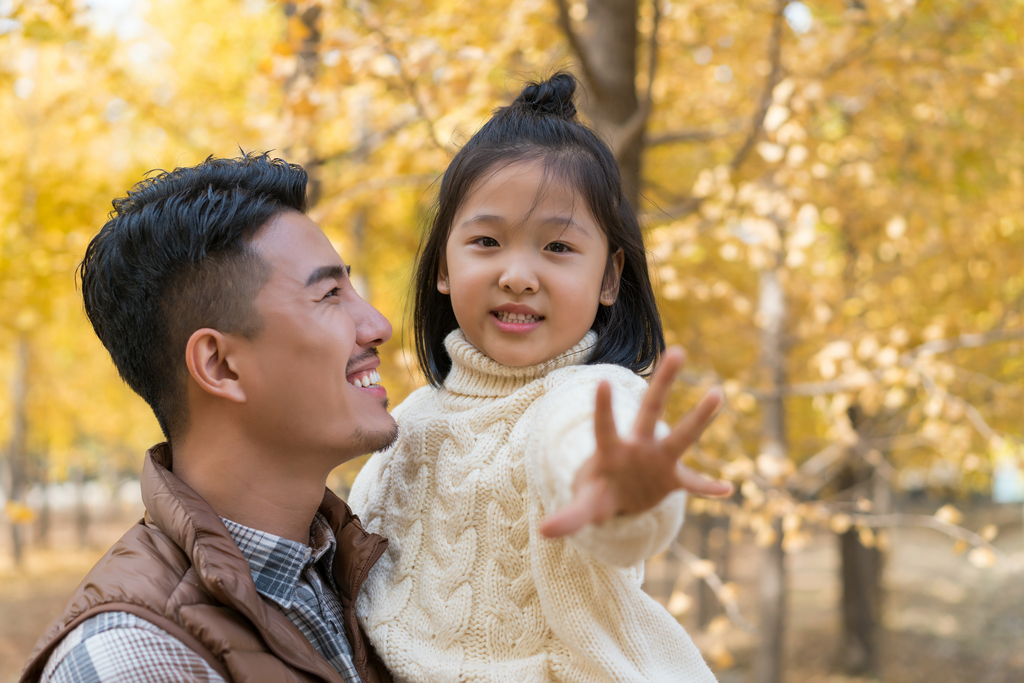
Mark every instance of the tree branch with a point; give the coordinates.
(624, 136)
(366, 146)
(973, 414)
(328, 205)
(652, 52)
(963, 341)
(852, 56)
(413, 91)
(931, 522)
(716, 585)
(676, 211)
(408, 83)
(927, 349)
(576, 45)
(822, 460)
(693, 134)
(775, 59)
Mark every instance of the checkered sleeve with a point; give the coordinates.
(117, 646)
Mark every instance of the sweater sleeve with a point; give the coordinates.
(563, 439)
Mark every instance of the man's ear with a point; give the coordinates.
(442, 277)
(612, 278)
(208, 355)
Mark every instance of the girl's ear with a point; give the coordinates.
(442, 277)
(610, 287)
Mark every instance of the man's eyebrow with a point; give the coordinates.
(326, 273)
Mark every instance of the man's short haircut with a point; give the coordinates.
(176, 256)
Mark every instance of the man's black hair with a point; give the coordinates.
(541, 124)
(175, 256)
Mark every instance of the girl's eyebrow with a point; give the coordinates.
(565, 222)
(483, 218)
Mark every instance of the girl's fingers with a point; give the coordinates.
(690, 426)
(585, 508)
(700, 485)
(657, 393)
(604, 420)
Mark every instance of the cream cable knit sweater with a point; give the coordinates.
(469, 590)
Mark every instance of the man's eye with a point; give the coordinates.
(334, 292)
(487, 241)
(558, 247)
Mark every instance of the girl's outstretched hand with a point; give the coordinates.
(627, 476)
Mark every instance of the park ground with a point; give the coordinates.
(945, 621)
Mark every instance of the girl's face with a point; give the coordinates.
(525, 266)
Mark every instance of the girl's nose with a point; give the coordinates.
(518, 278)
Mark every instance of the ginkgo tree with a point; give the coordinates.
(834, 194)
(86, 113)
(799, 208)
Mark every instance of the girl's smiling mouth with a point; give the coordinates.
(516, 318)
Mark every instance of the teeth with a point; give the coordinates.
(368, 380)
(506, 317)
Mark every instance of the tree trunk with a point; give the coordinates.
(860, 573)
(359, 219)
(298, 87)
(17, 455)
(772, 586)
(771, 316)
(714, 546)
(861, 568)
(605, 43)
(81, 509)
(43, 523)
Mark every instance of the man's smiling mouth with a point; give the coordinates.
(367, 378)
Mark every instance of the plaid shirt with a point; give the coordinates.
(294, 578)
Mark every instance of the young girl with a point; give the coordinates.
(518, 517)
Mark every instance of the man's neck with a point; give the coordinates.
(270, 491)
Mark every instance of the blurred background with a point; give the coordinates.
(833, 192)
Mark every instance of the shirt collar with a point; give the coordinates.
(277, 563)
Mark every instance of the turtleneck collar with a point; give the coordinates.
(474, 373)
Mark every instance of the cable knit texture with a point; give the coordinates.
(468, 589)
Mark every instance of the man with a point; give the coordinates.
(231, 314)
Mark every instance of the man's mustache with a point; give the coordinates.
(364, 356)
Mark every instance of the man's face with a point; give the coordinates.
(304, 372)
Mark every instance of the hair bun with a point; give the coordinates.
(552, 97)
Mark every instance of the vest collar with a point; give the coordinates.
(179, 512)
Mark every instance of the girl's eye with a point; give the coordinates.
(487, 241)
(558, 247)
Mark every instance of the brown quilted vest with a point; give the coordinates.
(179, 569)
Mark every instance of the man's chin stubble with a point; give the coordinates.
(371, 442)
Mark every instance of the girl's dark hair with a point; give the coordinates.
(541, 124)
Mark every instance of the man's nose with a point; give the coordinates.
(372, 328)
(519, 277)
